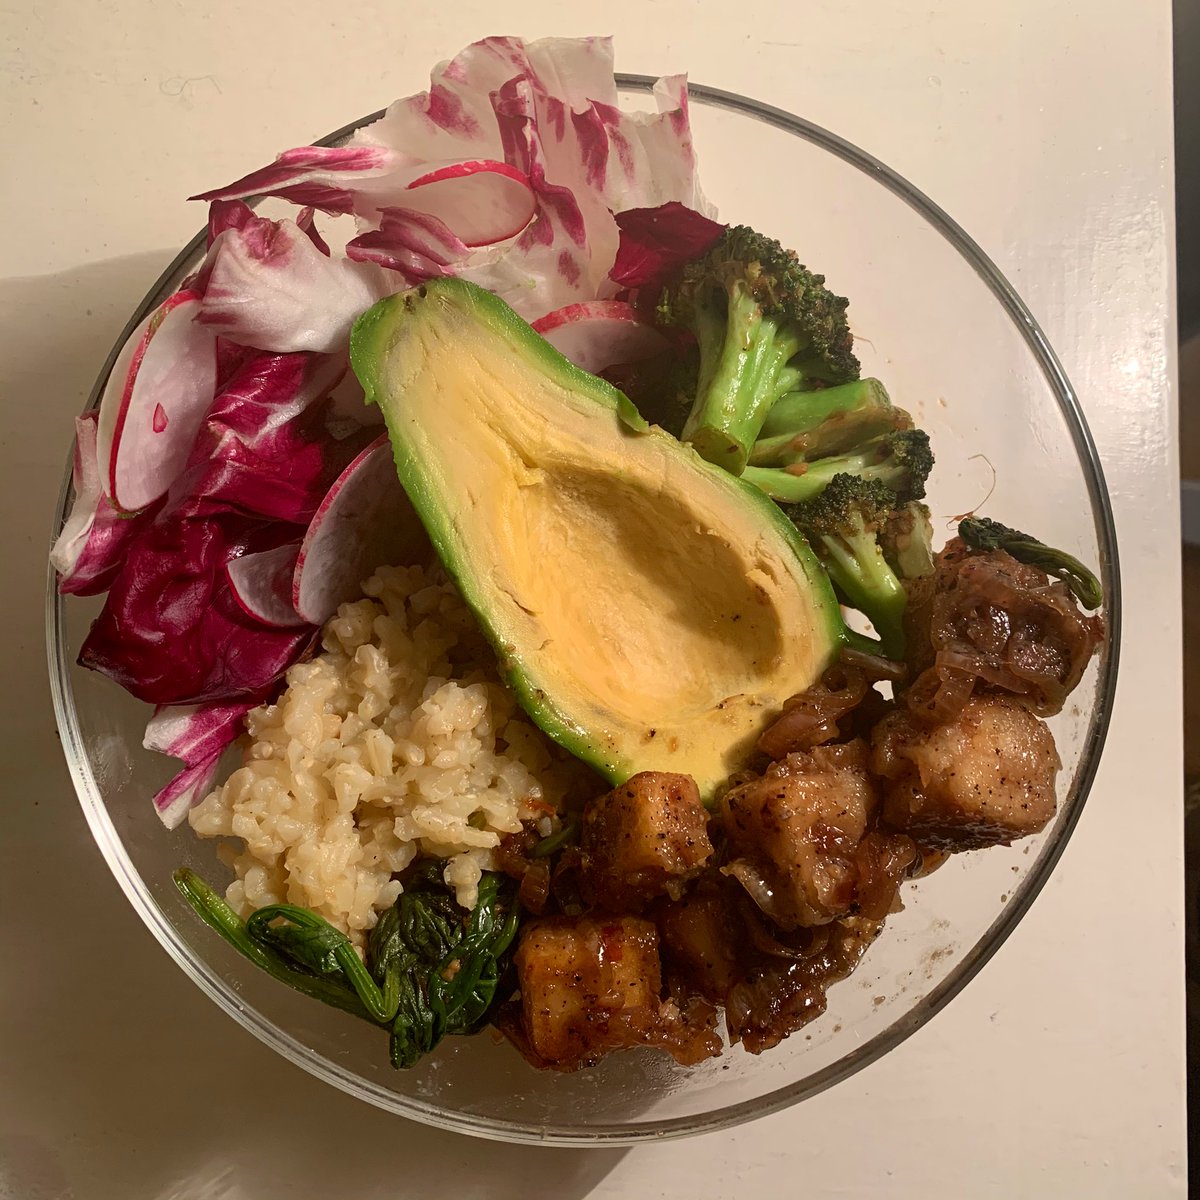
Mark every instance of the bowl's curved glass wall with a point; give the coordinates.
(956, 348)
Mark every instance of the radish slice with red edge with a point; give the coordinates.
(159, 389)
(599, 334)
(480, 200)
(262, 584)
(365, 522)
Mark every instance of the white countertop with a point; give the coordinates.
(1044, 127)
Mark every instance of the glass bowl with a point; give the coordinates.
(957, 347)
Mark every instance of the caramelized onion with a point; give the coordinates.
(999, 624)
(766, 1006)
(534, 891)
(810, 717)
(874, 666)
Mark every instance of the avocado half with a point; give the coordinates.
(650, 610)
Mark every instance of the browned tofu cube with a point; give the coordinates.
(588, 985)
(703, 940)
(986, 777)
(795, 832)
(644, 839)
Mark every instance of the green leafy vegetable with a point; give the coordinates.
(981, 533)
(300, 935)
(312, 942)
(452, 962)
(212, 909)
(431, 968)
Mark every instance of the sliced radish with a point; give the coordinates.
(600, 333)
(185, 791)
(262, 584)
(365, 522)
(160, 387)
(481, 200)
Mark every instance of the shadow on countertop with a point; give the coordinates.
(104, 1039)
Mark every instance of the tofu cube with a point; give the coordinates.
(588, 985)
(644, 839)
(987, 777)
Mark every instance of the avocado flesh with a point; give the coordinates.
(651, 611)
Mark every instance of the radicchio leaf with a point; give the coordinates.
(197, 734)
(417, 245)
(89, 550)
(306, 219)
(171, 632)
(657, 242)
(317, 176)
(546, 109)
(267, 285)
(264, 451)
(185, 791)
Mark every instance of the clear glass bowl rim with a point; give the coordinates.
(92, 801)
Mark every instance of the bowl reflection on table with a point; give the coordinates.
(956, 347)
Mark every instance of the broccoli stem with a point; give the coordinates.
(805, 481)
(859, 571)
(982, 533)
(802, 412)
(802, 426)
(742, 374)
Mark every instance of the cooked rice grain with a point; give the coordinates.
(398, 740)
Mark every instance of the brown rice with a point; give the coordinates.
(398, 739)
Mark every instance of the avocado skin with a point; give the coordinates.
(374, 336)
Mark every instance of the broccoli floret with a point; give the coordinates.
(807, 425)
(981, 533)
(907, 541)
(765, 326)
(901, 460)
(843, 523)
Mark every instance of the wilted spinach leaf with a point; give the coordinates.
(431, 967)
(454, 960)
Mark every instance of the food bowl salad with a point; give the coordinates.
(530, 536)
